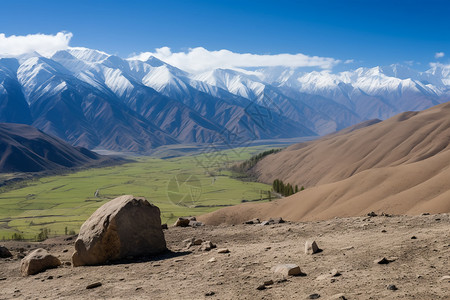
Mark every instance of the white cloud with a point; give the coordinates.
(439, 55)
(200, 59)
(44, 44)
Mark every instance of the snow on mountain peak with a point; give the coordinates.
(88, 55)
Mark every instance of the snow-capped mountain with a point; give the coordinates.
(97, 100)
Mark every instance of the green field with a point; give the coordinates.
(64, 202)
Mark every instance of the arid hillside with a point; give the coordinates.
(398, 166)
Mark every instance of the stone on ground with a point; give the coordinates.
(287, 269)
(4, 252)
(311, 247)
(124, 227)
(206, 246)
(253, 221)
(37, 261)
(182, 222)
(223, 250)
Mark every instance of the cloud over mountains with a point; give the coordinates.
(44, 44)
(200, 59)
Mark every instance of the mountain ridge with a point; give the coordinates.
(83, 95)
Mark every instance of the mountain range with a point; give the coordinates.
(100, 101)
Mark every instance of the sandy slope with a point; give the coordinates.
(349, 245)
(405, 138)
(399, 166)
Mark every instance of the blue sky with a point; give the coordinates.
(368, 32)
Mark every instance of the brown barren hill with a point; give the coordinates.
(24, 148)
(399, 166)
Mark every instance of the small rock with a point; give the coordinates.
(223, 250)
(212, 259)
(182, 222)
(335, 273)
(384, 261)
(37, 261)
(383, 231)
(277, 220)
(4, 252)
(65, 250)
(197, 242)
(311, 247)
(413, 237)
(392, 287)
(372, 214)
(164, 226)
(261, 287)
(268, 282)
(211, 293)
(264, 223)
(2, 278)
(253, 221)
(206, 246)
(93, 285)
(287, 269)
(314, 296)
(445, 278)
(67, 263)
(425, 214)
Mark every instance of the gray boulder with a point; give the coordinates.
(124, 227)
(37, 261)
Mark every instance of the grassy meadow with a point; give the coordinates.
(180, 186)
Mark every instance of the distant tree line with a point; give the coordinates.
(285, 189)
(252, 161)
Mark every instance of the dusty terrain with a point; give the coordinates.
(398, 166)
(350, 245)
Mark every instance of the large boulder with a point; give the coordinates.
(37, 261)
(123, 227)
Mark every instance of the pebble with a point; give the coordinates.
(384, 260)
(261, 287)
(268, 282)
(93, 285)
(223, 250)
(314, 296)
(211, 293)
(392, 287)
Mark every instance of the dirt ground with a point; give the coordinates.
(350, 245)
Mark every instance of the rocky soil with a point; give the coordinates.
(416, 249)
